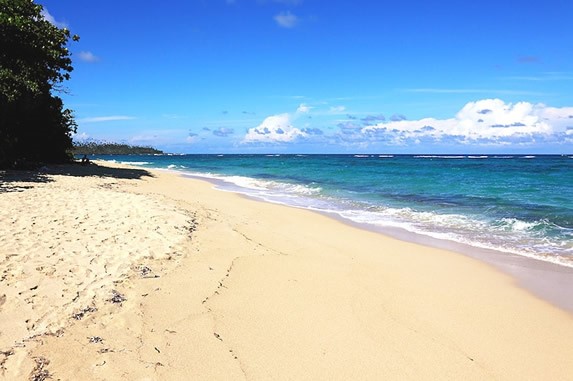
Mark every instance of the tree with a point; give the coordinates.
(34, 62)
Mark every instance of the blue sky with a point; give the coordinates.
(309, 76)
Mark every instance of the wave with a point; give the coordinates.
(134, 162)
(262, 187)
(512, 236)
(516, 225)
(506, 230)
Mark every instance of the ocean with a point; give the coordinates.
(513, 204)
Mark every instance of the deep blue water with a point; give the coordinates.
(510, 203)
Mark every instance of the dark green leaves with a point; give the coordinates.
(34, 61)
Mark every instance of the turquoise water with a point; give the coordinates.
(510, 203)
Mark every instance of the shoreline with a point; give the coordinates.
(547, 280)
(244, 289)
(394, 231)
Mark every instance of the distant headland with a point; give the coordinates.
(111, 148)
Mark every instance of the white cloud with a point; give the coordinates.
(48, 17)
(100, 119)
(88, 57)
(488, 121)
(286, 19)
(274, 129)
(223, 132)
(303, 108)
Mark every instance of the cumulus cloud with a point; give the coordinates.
(488, 121)
(274, 129)
(397, 117)
(369, 119)
(88, 57)
(223, 132)
(314, 131)
(286, 19)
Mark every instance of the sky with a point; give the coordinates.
(309, 76)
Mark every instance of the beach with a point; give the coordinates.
(110, 272)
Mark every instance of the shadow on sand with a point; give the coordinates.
(10, 178)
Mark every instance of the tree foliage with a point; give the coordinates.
(109, 148)
(34, 62)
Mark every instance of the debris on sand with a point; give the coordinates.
(146, 272)
(95, 340)
(80, 315)
(117, 297)
(40, 373)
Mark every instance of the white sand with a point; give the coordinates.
(256, 291)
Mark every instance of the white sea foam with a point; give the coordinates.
(385, 156)
(460, 229)
(246, 182)
(510, 235)
(516, 225)
(134, 162)
(263, 188)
